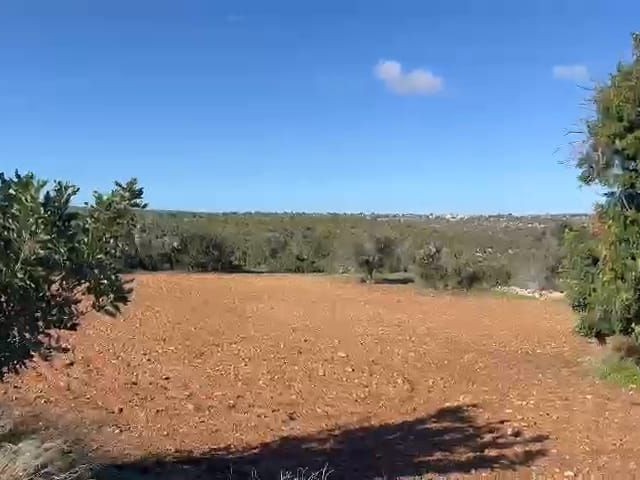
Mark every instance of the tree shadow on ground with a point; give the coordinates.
(394, 281)
(389, 280)
(449, 441)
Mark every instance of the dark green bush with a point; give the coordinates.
(375, 254)
(201, 252)
(580, 271)
(439, 268)
(55, 263)
(152, 254)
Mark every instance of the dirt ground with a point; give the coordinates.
(213, 373)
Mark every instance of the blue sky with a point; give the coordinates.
(341, 105)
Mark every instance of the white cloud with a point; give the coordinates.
(575, 73)
(415, 82)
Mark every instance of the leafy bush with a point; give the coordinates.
(56, 263)
(603, 277)
(153, 253)
(440, 268)
(580, 270)
(206, 253)
(431, 267)
(540, 267)
(375, 254)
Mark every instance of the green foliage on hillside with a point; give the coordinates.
(440, 268)
(603, 270)
(55, 263)
(526, 250)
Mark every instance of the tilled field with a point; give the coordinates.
(220, 373)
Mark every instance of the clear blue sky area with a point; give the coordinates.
(286, 105)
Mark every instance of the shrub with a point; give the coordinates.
(375, 254)
(538, 267)
(624, 348)
(580, 269)
(153, 253)
(440, 268)
(201, 252)
(465, 272)
(430, 265)
(56, 263)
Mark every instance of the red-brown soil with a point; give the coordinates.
(281, 371)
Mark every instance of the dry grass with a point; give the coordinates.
(299, 474)
(33, 459)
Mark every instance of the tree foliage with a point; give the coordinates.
(375, 254)
(441, 268)
(206, 253)
(57, 262)
(602, 271)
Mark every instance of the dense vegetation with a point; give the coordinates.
(602, 265)
(56, 263)
(471, 251)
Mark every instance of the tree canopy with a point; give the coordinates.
(603, 272)
(58, 262)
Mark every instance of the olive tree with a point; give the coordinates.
(374, 254)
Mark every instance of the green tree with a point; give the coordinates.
(374, 254)
(202, 252)
(56, 262)
(441, 268)
(609, 303)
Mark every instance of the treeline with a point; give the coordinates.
(462, 252)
